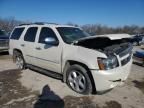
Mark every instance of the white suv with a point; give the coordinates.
(86, 63)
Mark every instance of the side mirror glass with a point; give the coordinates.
(51, 41)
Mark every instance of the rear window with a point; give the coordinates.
(31, 34)
(17, 33)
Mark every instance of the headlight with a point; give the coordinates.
(107, 63)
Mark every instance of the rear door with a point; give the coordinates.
(15, 39)
(28, 45)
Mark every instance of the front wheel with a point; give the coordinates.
(78, 79)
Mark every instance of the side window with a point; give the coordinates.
(46, 32)
(30, 34)
(17, 33)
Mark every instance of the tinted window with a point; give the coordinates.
(46, 32)
(31, 34)
(17, 33)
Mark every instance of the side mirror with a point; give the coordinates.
(51, 41)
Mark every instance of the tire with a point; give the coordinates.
(78, 79)
(19, 60)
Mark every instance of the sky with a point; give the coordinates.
(106, 12)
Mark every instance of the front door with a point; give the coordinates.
(48, 56)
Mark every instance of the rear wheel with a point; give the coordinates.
(78, 79)
(19, 60)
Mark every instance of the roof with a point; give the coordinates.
(115, 36)
(44, 24)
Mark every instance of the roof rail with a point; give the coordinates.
(24, 24)
(42, 23)
(38, 23)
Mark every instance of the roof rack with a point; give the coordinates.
(24, 24)
(42, 23)
(37, 23)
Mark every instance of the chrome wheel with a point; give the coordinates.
(77, 81)
(19, 62)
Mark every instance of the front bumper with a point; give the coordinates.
(108, 79)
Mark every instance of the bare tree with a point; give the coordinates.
(98, 29)
(9, 23)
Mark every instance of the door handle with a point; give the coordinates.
(38, 48)
(22, 45)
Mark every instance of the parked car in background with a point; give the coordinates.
(138, 57)
(137, 40)
(4, 41)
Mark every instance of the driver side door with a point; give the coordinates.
(48, 56)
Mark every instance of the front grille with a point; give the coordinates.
(126, 50)
(3, 43)
(126, 60)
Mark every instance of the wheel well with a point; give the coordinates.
(70, 63)
(16, 50)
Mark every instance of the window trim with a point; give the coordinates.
(40, 34)
(35, 34)
(20, 34)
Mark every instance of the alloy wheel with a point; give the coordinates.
(77, 81)
(19, 62)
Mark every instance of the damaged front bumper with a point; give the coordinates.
(108, 79)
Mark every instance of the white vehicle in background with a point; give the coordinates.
(85, 63)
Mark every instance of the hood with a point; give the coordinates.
(106, 44)
(84, 39)
(115, 36)
(106, 36)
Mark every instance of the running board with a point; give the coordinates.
(45, 72)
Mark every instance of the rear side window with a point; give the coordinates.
(17, 33)
(30, 34)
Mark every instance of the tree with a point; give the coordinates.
(8, 24)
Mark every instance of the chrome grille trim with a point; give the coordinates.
(126, 51)
(126, 60)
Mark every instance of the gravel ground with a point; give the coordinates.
(30, 89)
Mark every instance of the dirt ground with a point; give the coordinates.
(30, 89)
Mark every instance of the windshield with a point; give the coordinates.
(70, 34)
